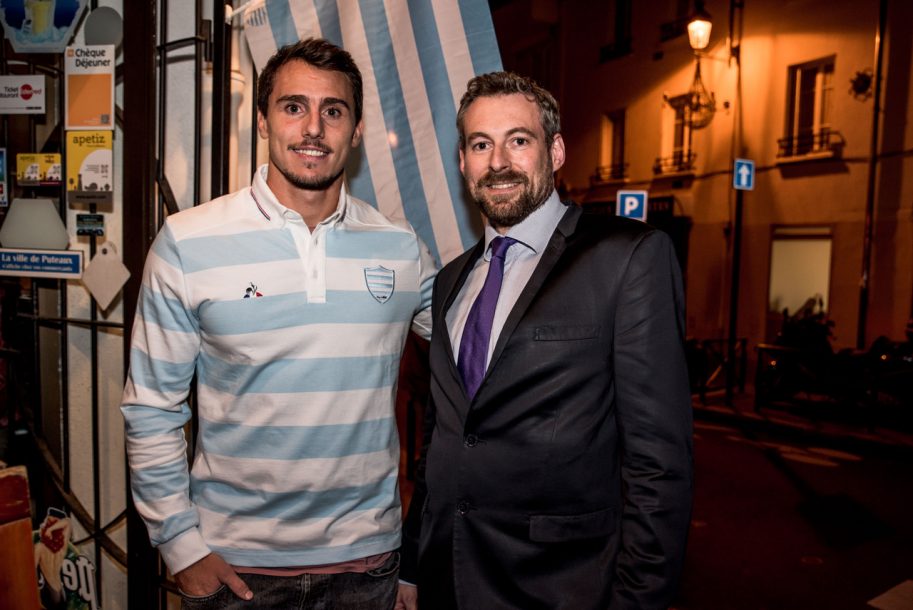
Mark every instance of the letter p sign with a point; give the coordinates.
(631, 204)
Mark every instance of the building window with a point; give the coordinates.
(800, 270)
(612, 164)
(619, 29)
(676, 154)
(809, 94)
(539, 62)
(678, 24)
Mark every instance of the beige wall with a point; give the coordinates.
(776, 35)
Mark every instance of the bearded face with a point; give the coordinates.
(506, 161)
(509, 196)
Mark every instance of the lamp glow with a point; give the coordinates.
(699, 32)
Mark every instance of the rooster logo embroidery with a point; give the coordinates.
(251, 291)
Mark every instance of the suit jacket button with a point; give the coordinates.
(463, 508)
(471, 440)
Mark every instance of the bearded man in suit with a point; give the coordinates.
(557, 466)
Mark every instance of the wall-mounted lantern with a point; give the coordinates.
(701, 103)
(699, 28)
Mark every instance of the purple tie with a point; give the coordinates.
(477, 332)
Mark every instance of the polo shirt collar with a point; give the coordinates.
(272, 210)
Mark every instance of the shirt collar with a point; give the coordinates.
(271, 209)
(535, 230)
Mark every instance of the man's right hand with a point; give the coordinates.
(406, 597)
(207, 575)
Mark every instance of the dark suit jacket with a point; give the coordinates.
(566, 482)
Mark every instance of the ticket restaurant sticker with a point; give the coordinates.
(22, 94)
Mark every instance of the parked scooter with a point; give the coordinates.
(801, 369)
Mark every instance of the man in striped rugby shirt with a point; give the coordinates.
(290, 301)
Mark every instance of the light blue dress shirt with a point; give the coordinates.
(532, 235)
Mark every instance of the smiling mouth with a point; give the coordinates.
(310, 149)
(310, 152)
(502, 186)
(503, 183)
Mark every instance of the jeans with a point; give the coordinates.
(372, 590)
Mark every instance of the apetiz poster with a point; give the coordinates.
(90, 159)
(40, 26)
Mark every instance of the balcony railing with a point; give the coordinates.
(819, 143)
(611, 173)
(678, 163)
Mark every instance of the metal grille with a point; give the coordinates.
(38, 328)
(44, 326)
(824, 141)
(149, 48)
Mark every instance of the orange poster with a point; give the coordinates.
(90, 87)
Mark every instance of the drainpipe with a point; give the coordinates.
(238, 83)
(221, 100)
(138, 232)
(870, 187)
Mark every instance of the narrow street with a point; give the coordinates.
(781, 526)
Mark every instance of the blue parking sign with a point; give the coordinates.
(631, 204)
(743, 175)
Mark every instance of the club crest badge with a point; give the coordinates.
(380, 282)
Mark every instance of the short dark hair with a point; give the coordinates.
(507, 83)
(316, 52)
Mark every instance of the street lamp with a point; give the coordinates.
(701, 103)
(699, 28)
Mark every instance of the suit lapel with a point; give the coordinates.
(553, 252)
(450, 288)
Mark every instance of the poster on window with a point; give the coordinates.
(4, 187)
(66, 578)
(89, 72)
(38, 169)
(40, 26)
(22, 94)
(90, 161)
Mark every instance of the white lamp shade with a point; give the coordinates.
(699, 33)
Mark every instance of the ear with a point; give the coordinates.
(557, 152)
(462, 162)
(356, 135)
(262, 127)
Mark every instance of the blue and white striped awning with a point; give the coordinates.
(415, 57)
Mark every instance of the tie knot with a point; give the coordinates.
(500, 245)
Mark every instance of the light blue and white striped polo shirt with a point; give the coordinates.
(295, 338)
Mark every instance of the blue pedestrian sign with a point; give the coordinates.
(743, 175)
(631, 204)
